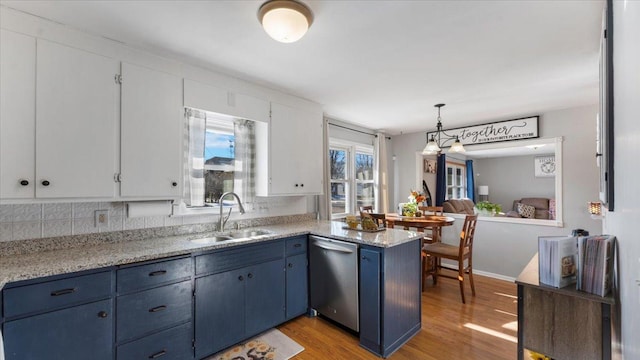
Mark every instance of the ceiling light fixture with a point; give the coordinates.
(440, 138)
(285, 20)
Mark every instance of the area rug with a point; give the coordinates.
(270, 345)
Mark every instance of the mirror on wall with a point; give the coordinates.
(527, 172)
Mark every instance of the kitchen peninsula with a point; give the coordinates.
(55, 282)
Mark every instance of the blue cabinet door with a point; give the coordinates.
(265, 296)
(77, 333)
(220, 315)
(370, 310)
(297, 285)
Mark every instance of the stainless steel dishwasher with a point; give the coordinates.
(333, 268)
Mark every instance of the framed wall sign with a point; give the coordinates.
(509, 130)
(545, 166)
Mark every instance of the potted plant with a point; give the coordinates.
(488, 208)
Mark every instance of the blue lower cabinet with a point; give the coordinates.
(390, 296)
(234, 305)
(152, 310)
(297, 288)
(219, 315)
(370, 286)
(76, 333)
(171, 344)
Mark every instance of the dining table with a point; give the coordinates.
(420, 223)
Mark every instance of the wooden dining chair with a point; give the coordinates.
(432, 211)
(460, 253)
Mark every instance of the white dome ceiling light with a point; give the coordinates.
(285, 20)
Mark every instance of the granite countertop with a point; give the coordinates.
(69, 259)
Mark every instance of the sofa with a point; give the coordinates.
(459, 206)
(544, 208)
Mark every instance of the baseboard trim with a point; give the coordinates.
(494, 275)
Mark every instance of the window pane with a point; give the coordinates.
(458, 176)
(364, 166)
(219, 163)
(338, 198)
(337, 160)
(450, 193)
(364, 195)
(449, 176)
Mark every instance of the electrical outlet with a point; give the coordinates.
(101, 218)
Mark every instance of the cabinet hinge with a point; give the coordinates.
(117, 177)
(118, 78)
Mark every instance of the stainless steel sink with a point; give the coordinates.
(247, 234)
(236, 235)
(212, 239)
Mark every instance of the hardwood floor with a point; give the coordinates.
(484, 328)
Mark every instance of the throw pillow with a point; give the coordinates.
(526, 211)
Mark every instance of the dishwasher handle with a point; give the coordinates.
(329, 246)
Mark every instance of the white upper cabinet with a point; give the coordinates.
(17, 115)
(76, 123)
(290, 161)
(219, 100)
(151, 135)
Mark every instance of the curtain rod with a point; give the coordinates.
(360, 131)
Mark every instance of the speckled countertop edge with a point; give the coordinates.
(35, 264)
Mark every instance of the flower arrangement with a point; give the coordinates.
(488, 207)
(411, 208)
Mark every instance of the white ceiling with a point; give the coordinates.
(378, 64)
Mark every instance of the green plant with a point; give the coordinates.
(489, 207)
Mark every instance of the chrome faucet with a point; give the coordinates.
(223, 220)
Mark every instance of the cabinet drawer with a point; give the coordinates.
(237, 258)
(56, 294)
(173, 344)
(296, 245)
(146, 311)
(146, 276)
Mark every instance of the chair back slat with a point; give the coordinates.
(431, 210)
(366, 208)
(380, 219)
(467, 233)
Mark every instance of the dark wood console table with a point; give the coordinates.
(561, 323)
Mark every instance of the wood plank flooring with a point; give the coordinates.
(484, 328)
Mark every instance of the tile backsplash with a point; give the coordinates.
(34, 221)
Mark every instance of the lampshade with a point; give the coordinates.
(285, 20)
(431, 147)
(456, 147)
(483, 190)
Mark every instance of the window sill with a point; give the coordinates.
(510, 220)
(213, 209)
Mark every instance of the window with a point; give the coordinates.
(456, 181)
(221, 158)
(352, 184)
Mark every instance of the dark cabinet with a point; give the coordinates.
(66, 318)
(233, 305)
(390, 306)
(297, 285)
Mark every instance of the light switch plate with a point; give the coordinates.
(102, 218)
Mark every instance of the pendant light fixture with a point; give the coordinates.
(285, 20)
(439, 138)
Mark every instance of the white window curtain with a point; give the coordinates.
(245, 162)
(381, 173)
(194, 187)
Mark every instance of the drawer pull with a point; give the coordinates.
(297, 245)
(158, 273)
(63, 292)
(102, 314)
(290, 265)
(250, 276)
(158, 308)
(240, 277)
(158, 354)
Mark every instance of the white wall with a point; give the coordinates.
(504, 249)
(511, 178)
(623, 222)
